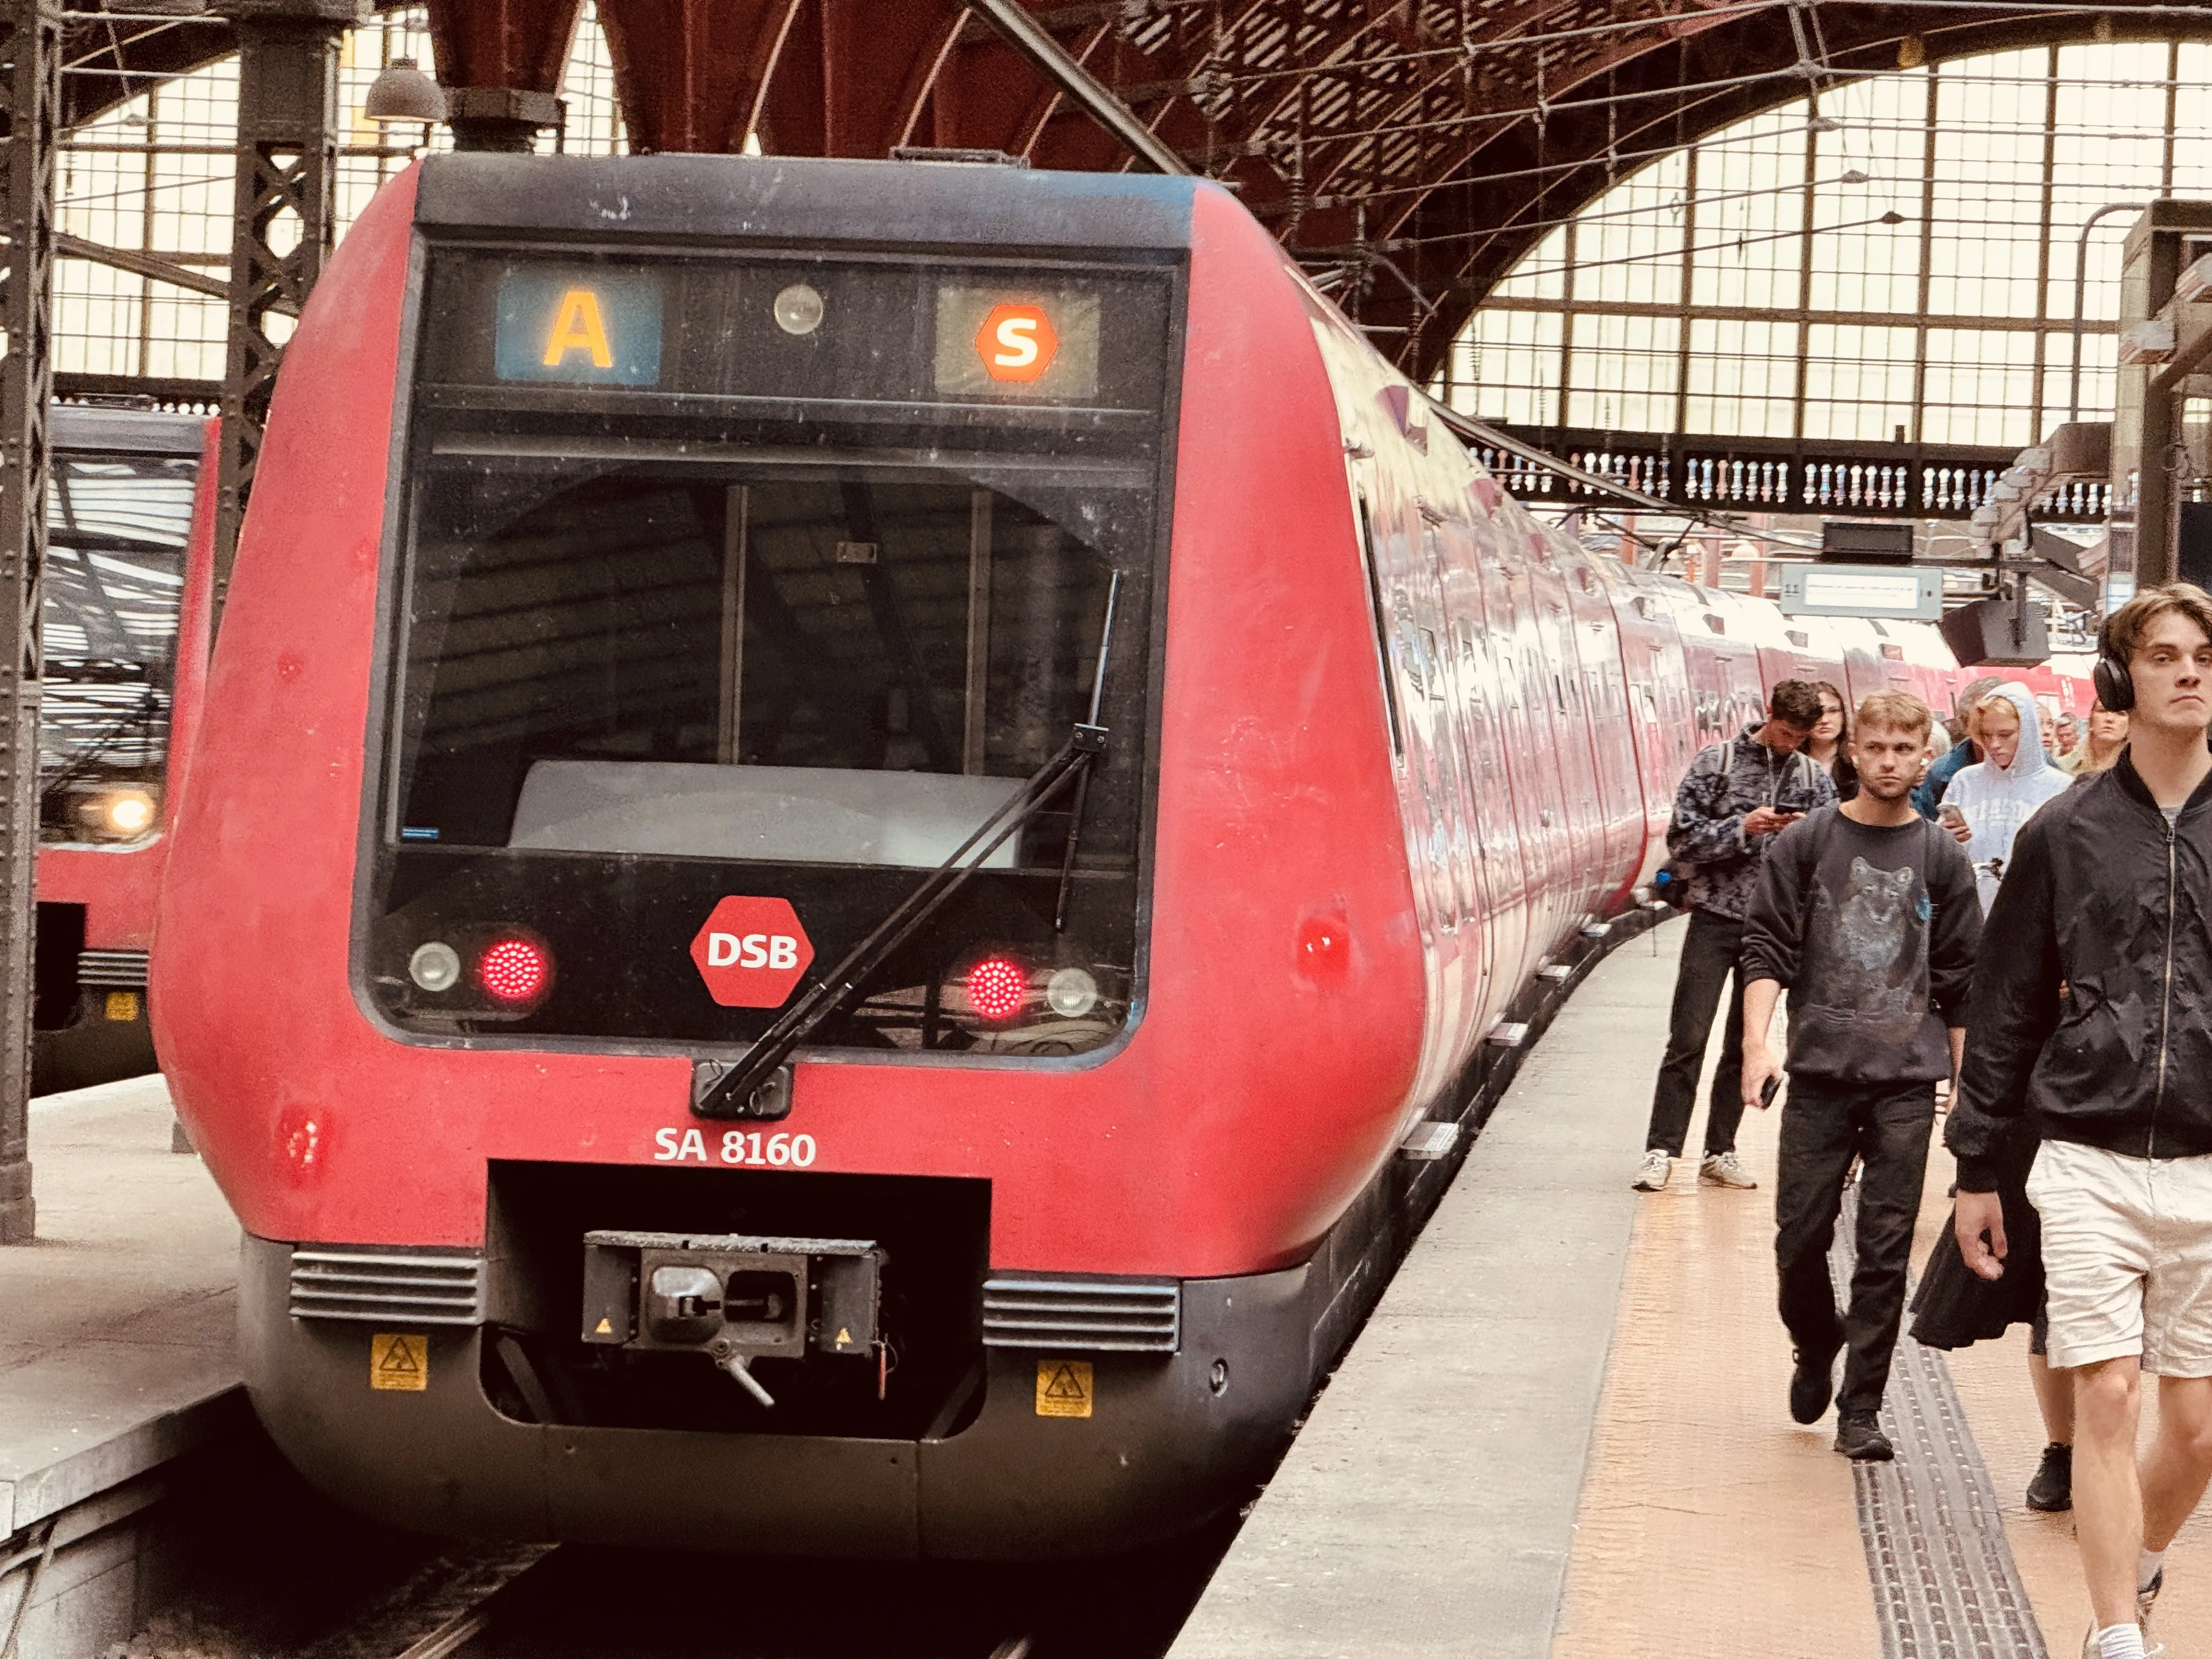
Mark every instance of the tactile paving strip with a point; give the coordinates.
(1945, 1584)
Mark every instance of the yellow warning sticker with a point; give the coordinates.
(1063, 1387)
(604, 1328)
(123, 1006)
(400, 1360)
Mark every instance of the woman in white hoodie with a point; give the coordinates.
(1993, 799)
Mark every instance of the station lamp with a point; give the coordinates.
(401, 93)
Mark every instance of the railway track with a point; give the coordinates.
(578, 1602)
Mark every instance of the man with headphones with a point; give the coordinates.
(2092, 1017)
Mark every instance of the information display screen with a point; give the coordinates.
(583, 326)
(1902, 592)
(886, 332)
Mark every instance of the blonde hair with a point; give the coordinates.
(1989, 705)
(1895, 711)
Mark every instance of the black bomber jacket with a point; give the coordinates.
(2092, 1009)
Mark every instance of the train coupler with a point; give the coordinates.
(734, 1297)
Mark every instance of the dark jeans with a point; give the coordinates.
(1709, 953)
(1887, 1126)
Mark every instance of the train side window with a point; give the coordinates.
(1382, 629)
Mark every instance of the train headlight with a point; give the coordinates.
(997, 987)
(1071, 993)
(127, 812)
(435, 966)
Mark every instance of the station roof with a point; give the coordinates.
(1408, 150)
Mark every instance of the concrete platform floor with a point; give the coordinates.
(118, 1323)
(1565, 1429)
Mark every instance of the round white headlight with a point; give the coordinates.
(1071, 993)
(798, 309)
(129, 813)
(435, 966)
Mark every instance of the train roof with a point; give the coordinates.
(125, 431)
(798, 199)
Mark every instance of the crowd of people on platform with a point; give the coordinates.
(2009, 916)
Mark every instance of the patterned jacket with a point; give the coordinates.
(1726, 782)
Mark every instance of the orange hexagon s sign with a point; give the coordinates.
(751, 952)
(1017, 342)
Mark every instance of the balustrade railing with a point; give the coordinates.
(1920, 481)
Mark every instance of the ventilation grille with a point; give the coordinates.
(1129, 1316)
(122, 970)
(385, 1287)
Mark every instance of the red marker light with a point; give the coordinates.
(997, 987)
(512, 971)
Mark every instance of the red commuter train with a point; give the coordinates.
(130, 530)
(847, 811)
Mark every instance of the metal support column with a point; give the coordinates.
(284, 220)
(30, 77)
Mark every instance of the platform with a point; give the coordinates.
(117, 1360)
(1563, 1431)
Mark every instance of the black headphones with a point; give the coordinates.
(2115, 686)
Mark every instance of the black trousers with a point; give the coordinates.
(1887, 1127)
(1708, 954)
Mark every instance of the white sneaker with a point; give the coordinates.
(1722, 1170)
(1651, 1174)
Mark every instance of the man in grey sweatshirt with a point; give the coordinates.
(1866, 914)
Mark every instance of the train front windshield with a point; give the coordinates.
(116, 528)
(692, 685)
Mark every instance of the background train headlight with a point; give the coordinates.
(1071, 993)
(435, 966)
(127, 812)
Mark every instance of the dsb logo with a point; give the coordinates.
(753, 950)
(750, 952)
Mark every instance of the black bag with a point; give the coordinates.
(1954, 1306)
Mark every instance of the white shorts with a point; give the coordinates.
(2127, 1256)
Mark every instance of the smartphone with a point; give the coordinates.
(1950, 814)
(1768, 1089)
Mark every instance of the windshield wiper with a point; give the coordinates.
(750, 1088)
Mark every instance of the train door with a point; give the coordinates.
(1536, 748)
(1408, 618)
(1533, 815)
(1658, 684)
(1450, 551)
(1571, 721)
(1606, 721)
(1506, 882)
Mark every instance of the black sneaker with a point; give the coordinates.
(1860, 1439)
(2052, 1490)
(1812, 1385)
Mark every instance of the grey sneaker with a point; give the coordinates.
(1723, 1169)
(1651, 1174)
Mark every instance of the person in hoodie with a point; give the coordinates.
(1928, 793)
(1986, 802)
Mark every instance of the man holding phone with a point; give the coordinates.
(1737, 797)
(1866, 912)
